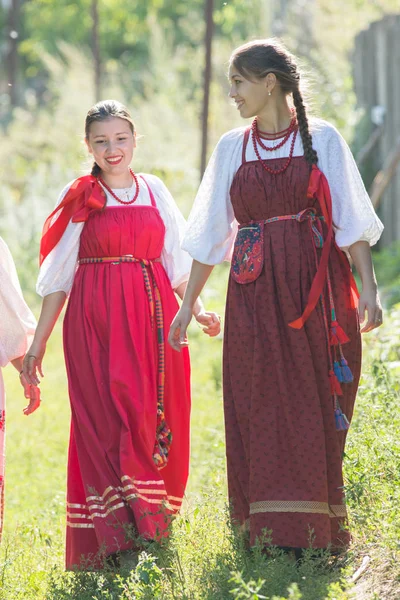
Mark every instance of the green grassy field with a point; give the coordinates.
(205, 558)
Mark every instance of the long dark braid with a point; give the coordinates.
(95, 170)
(309, 152)
(257, 59)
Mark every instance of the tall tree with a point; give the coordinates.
(209, 10)
(96, 49)
(13, 21)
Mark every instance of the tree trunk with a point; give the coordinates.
(208, 10)
(12, 50)
(96, 50)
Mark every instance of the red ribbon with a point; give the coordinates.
(318, 188)
(84, 195)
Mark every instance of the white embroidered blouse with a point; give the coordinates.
(212, 227)
(17, 323)
(58, 269)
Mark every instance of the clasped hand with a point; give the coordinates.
(32, 393)
(29, 376)
(177, 337)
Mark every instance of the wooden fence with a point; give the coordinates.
(377, 84)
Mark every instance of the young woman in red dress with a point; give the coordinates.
(285, 200)
(112, 245)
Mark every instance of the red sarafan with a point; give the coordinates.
(113, 361)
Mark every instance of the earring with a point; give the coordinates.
(269, 93)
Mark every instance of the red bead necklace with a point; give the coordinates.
(136, 194)
(265, 135)
(285, 134)
(256, 139)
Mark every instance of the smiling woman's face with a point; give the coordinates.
(250, 96)
(111, 142)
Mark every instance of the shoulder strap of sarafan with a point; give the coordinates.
(152, 198)
(245, 142)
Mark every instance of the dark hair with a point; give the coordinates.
(260, 57)
(106, 109)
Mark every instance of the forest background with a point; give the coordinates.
(58, 58)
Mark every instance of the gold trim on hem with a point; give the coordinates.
(77, 516)
(299, 506)
(131, 486)
(139, 482)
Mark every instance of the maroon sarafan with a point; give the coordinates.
(284, 448)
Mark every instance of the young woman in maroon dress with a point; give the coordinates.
(283, 198)
(112, 243)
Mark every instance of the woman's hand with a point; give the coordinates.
(33, 363)
(34, 400)
(369, 303)
(177, 337)
(25, 384)
(211, 322)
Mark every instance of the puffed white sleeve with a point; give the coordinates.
(17, 323)
(352, 210)
(176, 261)
(212, 226)
(58, 268)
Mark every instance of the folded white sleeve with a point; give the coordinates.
(212, 226)
(353, 214)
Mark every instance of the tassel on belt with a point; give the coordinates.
(339, 371)
(163, 432)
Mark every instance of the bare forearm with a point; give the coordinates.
(360, 253)
(17, 363)
(198, 305)
(197, 280)
(51, 308)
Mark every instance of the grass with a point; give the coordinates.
(205, 558)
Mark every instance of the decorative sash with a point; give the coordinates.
(248, 261)
(84, 196)
(163, 439)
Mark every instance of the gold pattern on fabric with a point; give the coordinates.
(138, 482)
(299, 506)
(107, 503)
(108, 511)
(143, 491)
(180, 500)
(78, 516)
(102, 497)
(149, 500)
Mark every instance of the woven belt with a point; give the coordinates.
(307, 213)
(163, 432)
(117, 260)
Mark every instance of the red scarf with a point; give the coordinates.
(318, 188)
(84, 195)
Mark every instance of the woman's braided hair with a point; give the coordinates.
(260, 57)
(106, 109)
